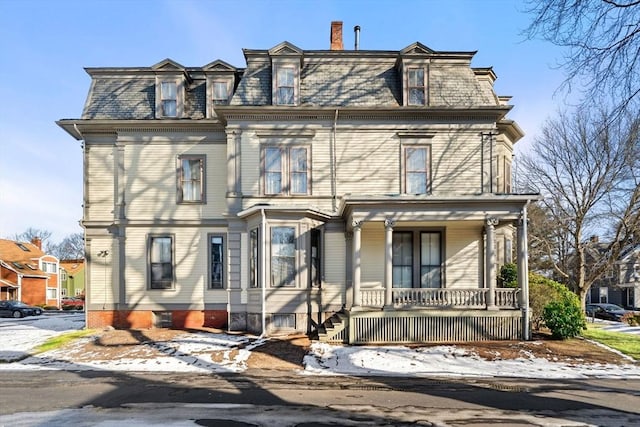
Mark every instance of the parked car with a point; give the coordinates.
(606, 311)
(18, 309)
(72, 304)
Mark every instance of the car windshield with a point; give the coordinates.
(612, 307)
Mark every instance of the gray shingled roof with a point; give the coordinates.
(327, 80)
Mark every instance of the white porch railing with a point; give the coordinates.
(449, 298)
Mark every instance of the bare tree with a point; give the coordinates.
(33, 233)
(71, 248)
(602, 41)
(585, 167)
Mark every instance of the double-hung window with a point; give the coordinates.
(283, 256)
(216, 262)
(286, 170)
(160, 262)
(285, 85)
(220, 92)
(191, 179)
(416, 86)
(416, 169)
(169, 99)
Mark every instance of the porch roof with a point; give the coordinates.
(434, 208)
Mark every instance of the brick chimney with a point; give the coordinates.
(336, 35)
(37, 242)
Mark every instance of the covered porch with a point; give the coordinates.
(438, 278)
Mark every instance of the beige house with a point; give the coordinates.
(362, 195)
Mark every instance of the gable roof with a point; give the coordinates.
(14, 256)
(72, 266)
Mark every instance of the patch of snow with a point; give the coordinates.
(191, 352)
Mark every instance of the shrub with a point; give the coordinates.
(564, 318)
(552, 304)
(541, 292)
(508, 277)
(631, 319)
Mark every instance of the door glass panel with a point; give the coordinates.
(430, 261)
(402, 259)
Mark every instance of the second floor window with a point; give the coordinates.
(169, 99)
(285, 86)
(416, 87)
(191, 179)
(417, 175)
(286, 170)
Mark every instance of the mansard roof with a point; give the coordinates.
(327, 78)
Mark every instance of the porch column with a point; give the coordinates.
(357, 242)
(388, 263)
(523, 272)
(490, 260)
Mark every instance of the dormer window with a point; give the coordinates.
(416, 86)
(171, 80)
(169, 98)
(220, 92)
(285, 85)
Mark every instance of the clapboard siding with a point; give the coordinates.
(102, 288)
(190, 267)
(100, 178)
(463, 255)
(151, 181)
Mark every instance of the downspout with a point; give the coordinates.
(332, 155)
(525, 279)
(263, 275)
(481, 163)
(85, 289)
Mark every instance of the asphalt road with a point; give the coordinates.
(52, 398)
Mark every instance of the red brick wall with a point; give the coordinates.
(138, 319)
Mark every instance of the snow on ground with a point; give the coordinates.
(191, 352)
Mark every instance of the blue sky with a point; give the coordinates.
(45, 45)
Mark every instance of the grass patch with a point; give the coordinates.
(627, 344)
(58, 341)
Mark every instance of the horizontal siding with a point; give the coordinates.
(368, 162)
(190, 268)
(151, 181)
(456, 161)
(101, 287)
(335, 258)
(464, 248)
(372, 261)
(100, 183)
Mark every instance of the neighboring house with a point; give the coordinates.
(72, 278)
(364, 195)
(28, 274)
(621, 283)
